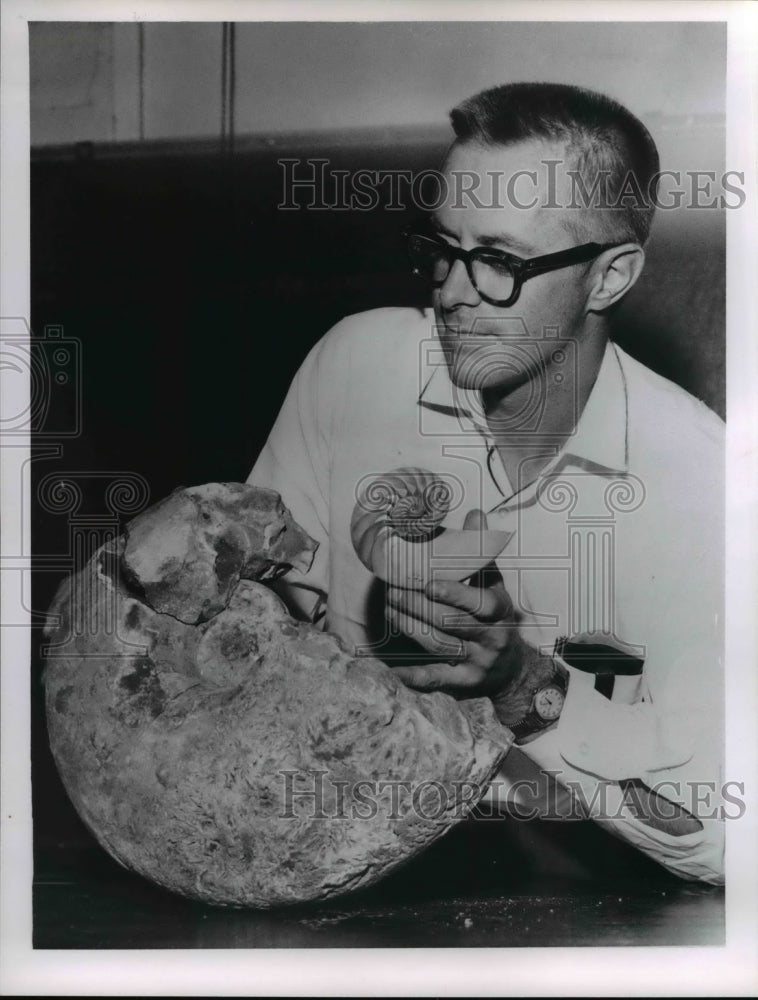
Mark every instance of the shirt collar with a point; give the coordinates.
(600, 436)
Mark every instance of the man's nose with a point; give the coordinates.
(457, 289)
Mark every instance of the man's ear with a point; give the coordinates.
(613, 274)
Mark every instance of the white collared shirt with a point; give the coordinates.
(619, 541)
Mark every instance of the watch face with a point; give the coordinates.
(548, 703)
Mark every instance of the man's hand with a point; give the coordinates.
(473, 630)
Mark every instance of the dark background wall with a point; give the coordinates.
(192, 299)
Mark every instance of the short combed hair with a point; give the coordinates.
(600, 135)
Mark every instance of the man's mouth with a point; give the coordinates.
(469, 338)
(486, 329)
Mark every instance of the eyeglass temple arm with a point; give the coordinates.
(574, 255)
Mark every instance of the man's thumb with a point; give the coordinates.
(475, 520)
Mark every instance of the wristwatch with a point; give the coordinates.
(547, 704)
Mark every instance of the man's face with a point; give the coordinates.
(484, 344)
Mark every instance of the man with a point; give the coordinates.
(597, 630)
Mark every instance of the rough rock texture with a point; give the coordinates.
(188, 552)
(191, 742)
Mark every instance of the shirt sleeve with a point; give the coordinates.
(296, 462)
(670, 739)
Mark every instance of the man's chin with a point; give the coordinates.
(487, 366)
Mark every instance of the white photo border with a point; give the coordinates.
(731, 970)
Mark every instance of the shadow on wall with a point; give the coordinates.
(674, 320)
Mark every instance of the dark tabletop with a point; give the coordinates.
(493, 883)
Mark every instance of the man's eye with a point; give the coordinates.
(498, 264)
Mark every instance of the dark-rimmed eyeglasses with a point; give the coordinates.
(496, 275)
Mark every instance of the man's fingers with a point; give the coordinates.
(434, 641)
(437, 676)
(475, 520)
(488, 604)
(442, 617)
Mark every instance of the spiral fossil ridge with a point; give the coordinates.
(397, 531)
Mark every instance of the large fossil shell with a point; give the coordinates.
(225, 751)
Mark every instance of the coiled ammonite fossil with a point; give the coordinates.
(218, 747)
(397, 532)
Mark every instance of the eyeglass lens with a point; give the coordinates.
(492, 277)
